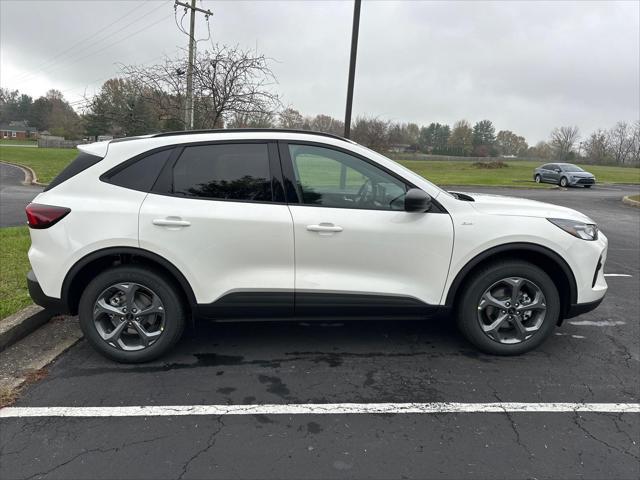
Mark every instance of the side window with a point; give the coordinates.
(331, 178)
(226, 171)
(141, 174)
(546, 167)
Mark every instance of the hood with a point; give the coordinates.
(500, 205)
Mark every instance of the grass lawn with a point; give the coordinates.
(8, 141)
(518, 173)
(14, 265)
(47, 162)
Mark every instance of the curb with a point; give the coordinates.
(30, 177)
(630, 201)
(20, 324)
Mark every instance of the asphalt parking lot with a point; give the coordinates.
(14, 196)
(594, 358)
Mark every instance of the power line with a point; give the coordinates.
(51, 61)
(118, 41)
(55, 65)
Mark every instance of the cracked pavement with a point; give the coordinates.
(367, 362)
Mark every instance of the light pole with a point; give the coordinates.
(352, 67)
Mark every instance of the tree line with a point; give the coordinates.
(235, 88)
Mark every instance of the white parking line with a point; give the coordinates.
(318, 409)
(617, 275)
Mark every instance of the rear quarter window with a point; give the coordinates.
(140, 173)
(79, 164)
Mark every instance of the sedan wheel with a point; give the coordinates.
(564, 182)
(538, 179)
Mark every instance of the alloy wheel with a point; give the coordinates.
(129, 316)
(512, 310)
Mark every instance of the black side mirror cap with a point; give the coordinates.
(416, 200)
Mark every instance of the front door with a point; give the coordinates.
(356, 250)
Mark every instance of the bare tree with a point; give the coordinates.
(596, 147)
(372, 132)
(620, 140)
(635, 152)
(327, 124)
(290, 118)
(563, 140)
(228, 83)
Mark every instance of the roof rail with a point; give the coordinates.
(244, 130)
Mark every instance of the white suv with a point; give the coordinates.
(139, 235)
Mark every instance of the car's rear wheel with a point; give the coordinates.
(131, 314)
(508, 308)
(564, 182)
(538, 178)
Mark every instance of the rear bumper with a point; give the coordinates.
(56, 305)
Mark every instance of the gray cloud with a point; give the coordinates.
(528, 66)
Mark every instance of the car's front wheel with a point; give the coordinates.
(564, 182)
(131, 314)
(538, 178)
(508, 308)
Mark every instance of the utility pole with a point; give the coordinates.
(352, 67)
(188, 113)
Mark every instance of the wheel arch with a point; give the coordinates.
(90, 265)
(552, 263)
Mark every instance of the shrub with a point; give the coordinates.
(490, 165)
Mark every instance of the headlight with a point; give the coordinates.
(585, 231)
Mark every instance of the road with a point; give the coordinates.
(14, 196)
(592, 358)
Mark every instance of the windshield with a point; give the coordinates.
(572, 168)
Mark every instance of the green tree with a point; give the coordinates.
(484, 139)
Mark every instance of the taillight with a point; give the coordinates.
(43, 216)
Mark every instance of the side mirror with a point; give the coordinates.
(416, 200)
(558, 170)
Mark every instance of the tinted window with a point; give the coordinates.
(335, 179)
(230, 172)
(81, 162)
(546, 167)
(142, 174)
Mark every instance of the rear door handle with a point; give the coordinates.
(324, 228)
(171, 222)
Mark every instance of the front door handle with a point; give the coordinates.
(171, 222)
(324, 228)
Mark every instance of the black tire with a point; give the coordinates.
(473, 289)
(164, 288)
(537, 178)
(564, 182)
(587, 186)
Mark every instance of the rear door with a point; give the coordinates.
(217, 212)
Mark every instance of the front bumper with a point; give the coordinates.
(580, 308)
(577, 181)
(55, 305)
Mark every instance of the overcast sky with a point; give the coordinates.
(527, 66)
